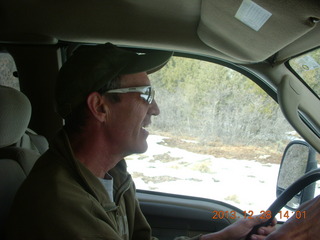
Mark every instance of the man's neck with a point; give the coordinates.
(92, 150)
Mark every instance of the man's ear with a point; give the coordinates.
(97, 106)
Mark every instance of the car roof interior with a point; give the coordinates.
(34, 30)
(207, 26)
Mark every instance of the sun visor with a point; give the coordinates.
(254, 31)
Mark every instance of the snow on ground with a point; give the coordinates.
(247, 184)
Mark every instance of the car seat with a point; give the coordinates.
(19, 147)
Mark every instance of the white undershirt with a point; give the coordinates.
(107, 182)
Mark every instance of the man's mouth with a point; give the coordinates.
(144, 126)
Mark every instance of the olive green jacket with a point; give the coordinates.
(62, 199)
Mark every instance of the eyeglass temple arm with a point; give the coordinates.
(126, 90)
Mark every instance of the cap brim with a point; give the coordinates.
(147, 61)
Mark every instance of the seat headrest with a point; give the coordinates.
(15, 114)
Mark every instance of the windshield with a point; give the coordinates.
(307, 66)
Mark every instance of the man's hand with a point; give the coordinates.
(241, 229)
(301, 228)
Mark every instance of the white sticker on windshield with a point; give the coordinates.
(252, 15)
(308, 63)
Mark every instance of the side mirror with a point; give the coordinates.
(298, 158)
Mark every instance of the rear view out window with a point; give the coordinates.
(7, 71)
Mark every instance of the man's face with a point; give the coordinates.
(128, 118)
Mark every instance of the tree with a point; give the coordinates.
(212, 102)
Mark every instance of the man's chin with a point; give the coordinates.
(142, 148)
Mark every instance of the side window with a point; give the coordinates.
(218, 136)
(8, 71)
(307, 66)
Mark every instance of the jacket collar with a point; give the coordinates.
(87, 180)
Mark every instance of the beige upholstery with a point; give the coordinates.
(15, 114)
(19, 147)
(33, 141)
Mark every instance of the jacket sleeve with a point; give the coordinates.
(51, 217)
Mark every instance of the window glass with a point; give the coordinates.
(218, 136)
(8, 71)
(307, 66)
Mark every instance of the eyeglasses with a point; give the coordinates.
(147, 92)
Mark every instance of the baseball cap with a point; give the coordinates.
(90, 67)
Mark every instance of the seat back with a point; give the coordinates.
(19, 147)
(33, 141)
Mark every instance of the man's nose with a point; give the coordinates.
(154, 109)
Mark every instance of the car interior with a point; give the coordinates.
(254, 37)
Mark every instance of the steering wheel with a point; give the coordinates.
(287, 195)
